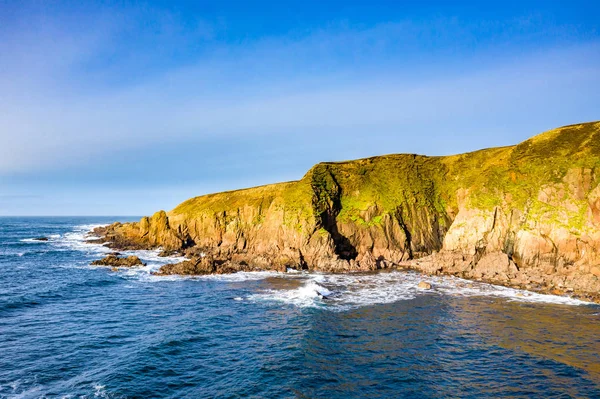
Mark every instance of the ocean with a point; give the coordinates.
(70, 330)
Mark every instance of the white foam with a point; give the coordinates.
(28, 393)
(347, 291)
(6, 252)
(100, 391)
(32, 240)
(467, 288)
(76, 240)
(309, 294)
(86, 228)
(335, 291)
(233, 277)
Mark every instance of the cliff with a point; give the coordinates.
(526, 215)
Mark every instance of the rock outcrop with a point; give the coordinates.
(526, 215)
(208, 265)
(116, 261)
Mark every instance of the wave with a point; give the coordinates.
(33, 390)
(18, 304)
(343, 292)
(51, 294)
(310, 294)
(226, 278)
(334, 291)
(32, 241)
(4, 252)
(467, 288)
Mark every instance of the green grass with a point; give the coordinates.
(417, 187)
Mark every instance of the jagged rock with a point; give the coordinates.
(367, 262)
(195, 266)
(166, 253)
(115, 261)
(494, 265)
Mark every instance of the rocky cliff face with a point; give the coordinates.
(526, 215)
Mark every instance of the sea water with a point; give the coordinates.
(71, 330)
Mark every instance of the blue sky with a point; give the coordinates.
(124, 108)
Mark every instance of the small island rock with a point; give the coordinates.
(115, 261)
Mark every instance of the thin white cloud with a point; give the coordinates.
(50, 119)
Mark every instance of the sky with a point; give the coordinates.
(125, 108)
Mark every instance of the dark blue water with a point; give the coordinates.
(71, 330)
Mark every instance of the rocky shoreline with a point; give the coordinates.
(525, 216)
(495, 268)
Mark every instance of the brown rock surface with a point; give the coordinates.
(115, 261)
(195, 266)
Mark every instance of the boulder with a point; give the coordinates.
(424, 285)
(196, 266)
(166, 253)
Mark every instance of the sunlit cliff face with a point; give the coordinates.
(520, 215)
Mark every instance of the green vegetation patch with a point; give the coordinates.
(410, 186)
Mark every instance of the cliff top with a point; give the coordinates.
(391, 180)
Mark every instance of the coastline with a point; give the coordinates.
(425, 267)
(523, 216)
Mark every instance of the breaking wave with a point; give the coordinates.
(347, 291)
(331, 291)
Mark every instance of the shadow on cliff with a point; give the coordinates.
(328, 204)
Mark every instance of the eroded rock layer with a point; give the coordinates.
(526, 215)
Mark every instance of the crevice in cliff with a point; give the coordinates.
(509, 245)
(424, 234)
(343, 247)
(408, 242)
(327, 205)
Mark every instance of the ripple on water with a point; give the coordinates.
(83, 332)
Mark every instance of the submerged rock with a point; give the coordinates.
(115, 261)
(41, 239)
